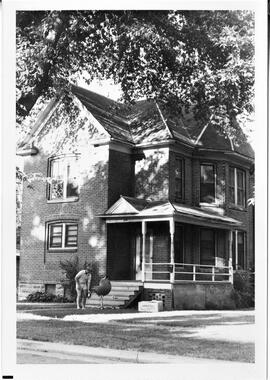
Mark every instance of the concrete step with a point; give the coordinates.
(129, 289)
(111, 297)
(112, 303)
(122, 292)
(126, 283)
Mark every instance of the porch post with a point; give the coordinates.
(143, 249)
(230, 255)
(172, 231)
(230, 247)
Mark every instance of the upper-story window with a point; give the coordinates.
(237, 188)
(179, 178)
(62, 235)
(208, 183)
(64, 178)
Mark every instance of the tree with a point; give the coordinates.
(181, 59)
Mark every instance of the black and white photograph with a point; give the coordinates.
(133, 134)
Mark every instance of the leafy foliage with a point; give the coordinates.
(243, 283)
(179, 58)
(46, 297)
(70, 268)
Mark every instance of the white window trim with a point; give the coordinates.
(235, 203)
(215, 203)
(236, 248)
(63, 224)
(65, 180)
(179, 158)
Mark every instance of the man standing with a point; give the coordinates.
(83, 282)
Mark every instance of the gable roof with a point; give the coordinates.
(134, 208)
(145, 122)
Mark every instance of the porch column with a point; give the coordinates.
(143, 249)
(172, 231)
(230, 255)
(230, 247)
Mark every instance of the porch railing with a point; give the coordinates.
(166, 272)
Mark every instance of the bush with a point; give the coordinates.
(243, 292)
(70, 268)
(46, 297)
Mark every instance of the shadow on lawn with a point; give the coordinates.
(160, 339)
(192, 321)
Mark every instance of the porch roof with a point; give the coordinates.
(128, 209)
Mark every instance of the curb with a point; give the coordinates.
(84, 352)
(46, 304)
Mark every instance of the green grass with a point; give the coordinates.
(154, 335)
(61, 312)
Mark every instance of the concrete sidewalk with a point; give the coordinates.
(86, 354)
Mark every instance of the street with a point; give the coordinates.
(25, 356)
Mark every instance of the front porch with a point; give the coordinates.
(166, 244)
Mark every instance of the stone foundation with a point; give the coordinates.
(26, 288)
(195, 296)
(164, 295)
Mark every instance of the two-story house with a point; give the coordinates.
(151, 200)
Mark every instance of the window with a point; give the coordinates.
(62, 235)
(208, 183)
(207, 247)
(64, 178)
(178, 177)
(238, 250)
(50, 289)
(237, 188)
(179, 245)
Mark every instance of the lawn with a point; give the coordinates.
(160, 335)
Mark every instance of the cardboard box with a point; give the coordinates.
(150, 306)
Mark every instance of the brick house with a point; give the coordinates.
(154, 201)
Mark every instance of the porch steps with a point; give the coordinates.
(123, 293)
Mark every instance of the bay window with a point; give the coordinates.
(208, 183)
(238, 249)
(178, 178)
(237, 188)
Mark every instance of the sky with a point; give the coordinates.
(103, 87)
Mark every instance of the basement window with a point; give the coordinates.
(50, 289)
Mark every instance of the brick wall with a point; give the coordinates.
(121, 175)
(37, 264)
(152, 175)
(164, 295)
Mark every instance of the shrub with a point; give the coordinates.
(45, 297)
(243, 292)
(70, 268)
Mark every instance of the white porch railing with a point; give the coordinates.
(166, 272)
